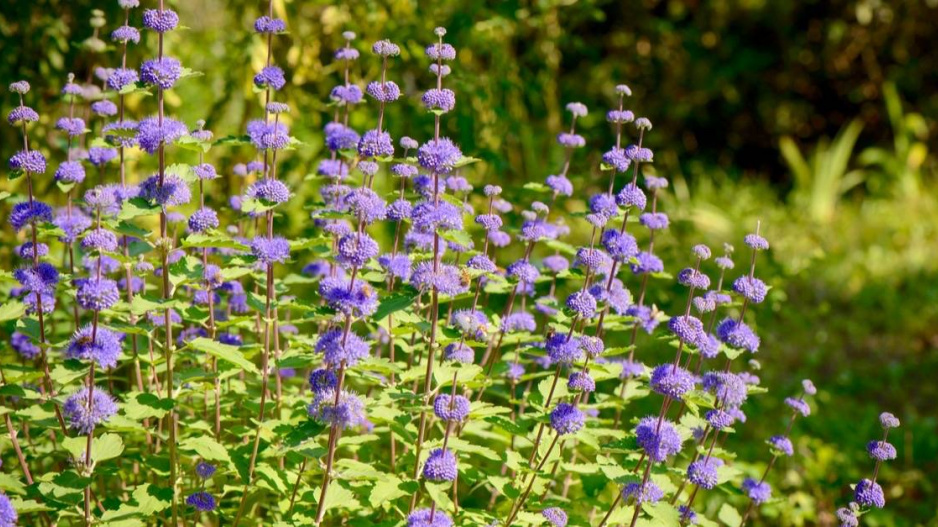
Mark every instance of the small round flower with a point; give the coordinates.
(580, 381)
(515, 371)
(689, 329)
(201, 500)
(654, 220)
(881, 450)
(442, 100)
(647, 493)
(376, 143)
(266, 24)
(451, 409)
(582, 304)
(562, 350)
(121, 78)
(76, 410)
(623, 90)
(566, 419)
(99, 240)
(887, 420)
(366, 205)
(350, 412)
(719, 419)
(756, 242)
(96, 294)
(521, 321)
(22, 114)
(672, 381)
(270, 77)
(568, 140)
(577, 109)
(346, 94)
(270, 250)
(173, 192)
(441, 51)
(738, 335)
(72, 126)
(160, 21)
(688, 515)
(758, 491)
(659, 440)
(387, 91)
(204, 171)
(593, 346)
(150, 133)
(385, 48)
(439, 155)
(643, 123)
(750, 288)
(523, 271)
(125, 34)
(24, 345)
(617, 159)
(701, 251)
(620, 116)
(847, 517)
(8, 515)
(162, 72)
(269, 136)
(472, 324)
(397, 265)
(798, 405)
(703, 472)
(555, 516)
(269, 190)
(782, 445)
(28, 212)
(868, 493)
(20, 87)
(31, 161)
(724, 262)
(203, 219)
(440, 466)
(459, 352)
(421, 518)
(808, 387)
(690, 277)
(560, 185)
(323, 380)
(728, 387)
(358, 300)
(204, 470)
(338, 349)
(355, 249)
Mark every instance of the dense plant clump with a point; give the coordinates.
(423, 354)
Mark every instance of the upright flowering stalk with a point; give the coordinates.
(203, 220)
(759, 491)
(867, 493)
(38, 279)
(269, 136)
(164, 190)
(439, 157)
(121, 134)
(98, 345)
(71, 172)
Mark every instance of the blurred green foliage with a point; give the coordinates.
(744, 95)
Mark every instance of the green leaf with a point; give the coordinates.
(213, 240)
(394, 303)
(12, 310)
(108, 446)
(137, 207)
(224, 352)
(439, 493)
(206, 447)
(729, 515)
(385, 491)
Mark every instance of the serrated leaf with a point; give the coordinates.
(108, 446)
(224, 352)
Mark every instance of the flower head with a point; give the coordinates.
(659, 440)
(84, 420)
(758, 491)
(566, 419)
(201, 500)
(868, 493)
(440, 466)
